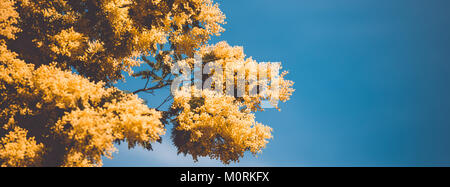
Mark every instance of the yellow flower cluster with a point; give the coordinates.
(8, 17)
(214, 125)
(256, 81)
(73, 111)
(219, 124)
(17, 150)
(93, 131)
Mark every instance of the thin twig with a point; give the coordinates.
(165, 101)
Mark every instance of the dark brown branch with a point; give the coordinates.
(150, 89)
(169, 97)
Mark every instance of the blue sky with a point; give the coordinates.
(371, 78)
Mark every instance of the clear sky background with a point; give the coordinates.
(371, 78)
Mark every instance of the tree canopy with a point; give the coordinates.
(60, 60)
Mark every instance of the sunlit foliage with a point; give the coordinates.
(60, 59)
